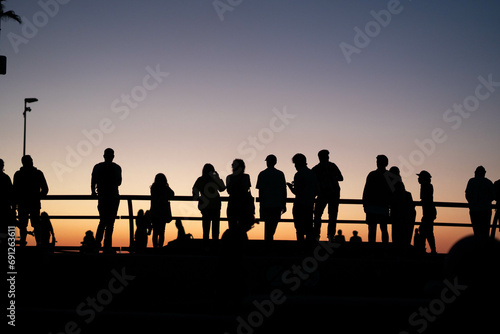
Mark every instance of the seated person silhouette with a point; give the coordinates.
(355, 237)
(89, 244)
(46, 231)
(143, 226)
(339, 237)
(181, 233)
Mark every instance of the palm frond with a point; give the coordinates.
(11, 15)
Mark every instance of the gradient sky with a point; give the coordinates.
(171, 85)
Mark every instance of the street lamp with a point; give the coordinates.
(26, 108)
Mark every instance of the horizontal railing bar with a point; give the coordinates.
(76, 217)
(284, 220)
(225, 199)
(130, 217)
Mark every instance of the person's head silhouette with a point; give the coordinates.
(27, 161)
(160, 179)
(382, 161)
(299, 160)
(109, 155)
(395, 170)
(44, 217)
(238, 166)
(324, 156)
(480, 171)
(208, 169)
(424, 177)
(271, 160)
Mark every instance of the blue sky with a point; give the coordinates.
(220, 84)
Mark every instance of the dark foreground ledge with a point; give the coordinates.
(188, 288)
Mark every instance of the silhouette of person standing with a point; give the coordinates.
(206, 191)
(305, 189)
(418, 242)
(429, 212)
(376, 198)
(329, 176)
(240, 206)
(402, 212)
(496, 223)
(480, 192)
(29, 187)
(7, 213)
(161, 212)
(105, 180)
(272, 194)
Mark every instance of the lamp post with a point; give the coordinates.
(26, 108)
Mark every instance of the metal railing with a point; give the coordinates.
(130, 198)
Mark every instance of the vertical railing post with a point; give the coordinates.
(131, 223)
(495, 223)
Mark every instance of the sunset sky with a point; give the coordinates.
(172, 85)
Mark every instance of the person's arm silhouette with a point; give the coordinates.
(44, 188)
(196, 192)
(93, 182)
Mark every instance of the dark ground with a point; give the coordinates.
(186, 289)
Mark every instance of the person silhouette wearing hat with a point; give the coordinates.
(329, 176)
(272, 195)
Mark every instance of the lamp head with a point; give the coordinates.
(30, 100)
